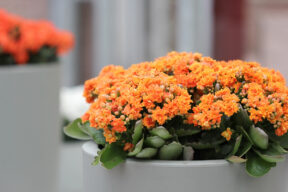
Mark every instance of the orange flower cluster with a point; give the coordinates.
(120, 96)
(198, 89)
(19, 37)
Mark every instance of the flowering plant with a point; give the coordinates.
(184, 106)
(26, 41)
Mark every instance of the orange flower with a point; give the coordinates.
(227, 134)
(197, 89)
(148, 122)
(159, 115)
(128, 146)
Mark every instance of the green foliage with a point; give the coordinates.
(147, 153)
(154, 141)
(256, 166)
(259, 148)
(161, 132)
(6, 59)
(171, 151)
(74, 130)
(187, 132)
(45, 55)
(244, 147)
(112, 155)
(259, 137)
(81, 131)
(138, 129)
(137, 148)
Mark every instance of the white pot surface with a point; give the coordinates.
(178, 176)
(30, 128)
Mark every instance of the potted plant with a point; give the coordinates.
(185, 122)
(29, 84)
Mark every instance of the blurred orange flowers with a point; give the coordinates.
(20, 38)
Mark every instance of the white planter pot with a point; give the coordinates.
(171, 176)
(30, 128)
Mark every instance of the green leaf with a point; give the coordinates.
(236, 145)
(112, 155)
(259, 137)
(244, 148)
(274, 153)
(137, 148)
(277, 148)
(154, 141)
(147, 153)
(242, 130)
(187, 132)
(161, 132)
(236, 159)
(137, 132)
(96, 134)
(270, 158)
(74, 130)
(242, 118)
(171, 151)
(188, 153)
(256, 166)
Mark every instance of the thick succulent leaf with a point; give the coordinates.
(274, 153)
(154, 141)
(74, 130)
(112, 155)
(259, 137)
(236, 145)
(236, 159)
(171, 151)
(244, 148)
(95, 134)
(187, 132)
(270, 158)
(138, 129)
(243, 131)
(256, 166)
(161, 132)
(188, 153)
(147, 153)
(137, 148)
(276, 148)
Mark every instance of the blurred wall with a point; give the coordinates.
(123, 32)
(33, 9)
(266, 37)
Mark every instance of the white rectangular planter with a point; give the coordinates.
(30, 128)
(178, 176)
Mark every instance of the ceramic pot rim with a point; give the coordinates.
(90, 148)
(27, 68)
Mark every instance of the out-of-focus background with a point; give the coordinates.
(124, 32)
